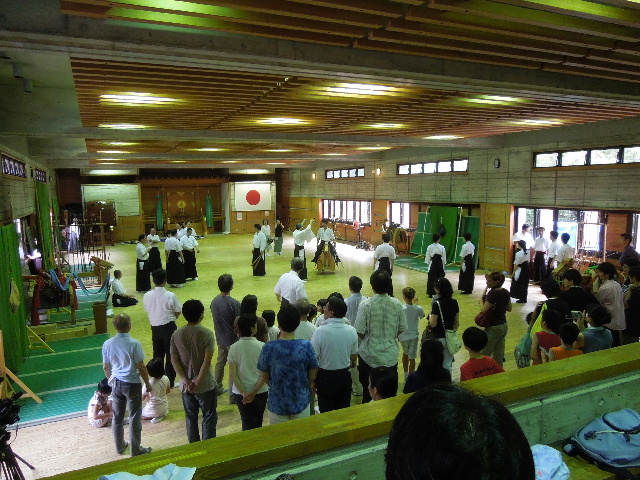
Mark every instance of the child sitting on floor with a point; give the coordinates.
(157, 405)
(100, 410)
(548, 338)
(478, 365)
(270, 317)
(568, 335)
(409, 338)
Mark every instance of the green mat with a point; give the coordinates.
(65, 380)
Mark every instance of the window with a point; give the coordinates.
(587, 157)
(400, 214)
(444, 166)
(344, 173)
(347, 211)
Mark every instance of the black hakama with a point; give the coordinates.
(436, 271)
(520, 288)
(143, 281)
(120, 301)
(259, 268)
(154, 259)
(467, 277)
(175, 269)
(539, 267)
(296, 254)
(190, 270)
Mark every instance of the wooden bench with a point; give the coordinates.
(550, 401)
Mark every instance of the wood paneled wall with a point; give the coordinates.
(495, 233)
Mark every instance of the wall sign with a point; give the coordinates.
(13, 167)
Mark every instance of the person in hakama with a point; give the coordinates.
(300, 237)
(174, 260)
(153, 240)
(520, 278)
(467, 266)
(189, 246)
(435, 258)
(143, 281)
(259, 247)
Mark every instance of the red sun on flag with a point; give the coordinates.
(253, 197)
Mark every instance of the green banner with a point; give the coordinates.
(159, 217)
(43, 206)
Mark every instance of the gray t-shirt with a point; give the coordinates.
(191, 342)
(224, 310)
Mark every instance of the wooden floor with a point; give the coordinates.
(72, 444)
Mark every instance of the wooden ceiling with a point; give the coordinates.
(597, 38)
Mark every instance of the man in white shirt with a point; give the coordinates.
(163, 308)
(336, 345)
(300, 237)
(353, 303)
(120, 297)
(435, 258)
(290, 287)
(189, 246)
(524, 235)
(384, 255)
(541, 247)
(259, 246)
(554, 247)
(325, 235)
(566, 251)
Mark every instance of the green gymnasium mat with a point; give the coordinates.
(65, 380)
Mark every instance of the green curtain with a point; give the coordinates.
(448, 218)
(13, 325)
(159, 218)
(209, 210)
(43, 206)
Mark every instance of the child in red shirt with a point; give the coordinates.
(478, 365)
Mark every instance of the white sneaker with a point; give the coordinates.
(196, 278)
(157, 419)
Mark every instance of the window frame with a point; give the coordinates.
(588, 163)
(421, 167)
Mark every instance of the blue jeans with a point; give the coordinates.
(129, 395)
(193, 402)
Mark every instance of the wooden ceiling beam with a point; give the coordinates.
(499, 11)
(501, 27)
(372, 7)
(405, 28)
(583, 9)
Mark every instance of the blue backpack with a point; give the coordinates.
(611, 442)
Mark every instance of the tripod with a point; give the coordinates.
(9, 468)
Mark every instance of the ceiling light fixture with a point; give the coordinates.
(278, 150)
(138, 99)
(123, 126)
(282, 121)
(208, 149)
(276, 163)
(17, 70)
(119, 144)
(537, 122)
(333, 154)
(112, 151)
(442, 137)
(373, 148)
(386, 125)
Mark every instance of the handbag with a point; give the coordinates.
(454, 342)
(484, 319)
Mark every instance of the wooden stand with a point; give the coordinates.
(5, 387)
(35, 342)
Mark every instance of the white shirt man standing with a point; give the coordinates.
(290, 287)
(163, 308)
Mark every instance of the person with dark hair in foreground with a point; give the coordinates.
(446, 432)
(383, 383)
(431, 368)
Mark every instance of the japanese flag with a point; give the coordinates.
(251, 196)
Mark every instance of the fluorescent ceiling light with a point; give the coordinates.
(373, 148)
(333, 154)
(100, 171)
(208, 149)
(229, 161)
(120, 144)
(178, 161)
(276, 163)
(112, 151)
(442, 137)
(386, 125)
(537, 122)
(123, 126)
(282, 121)
(136, 99)
(493, 100)
(278, 150)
